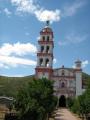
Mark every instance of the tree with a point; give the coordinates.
(70, 102)
(36, 100)
(76, 106)
(82, 103)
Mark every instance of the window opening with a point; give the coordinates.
(41, 62)
(47, 62)
(47, 49)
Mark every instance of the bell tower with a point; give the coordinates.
(45, 53)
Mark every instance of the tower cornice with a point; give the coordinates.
(46, 33)
(51, 42)
(44, 54)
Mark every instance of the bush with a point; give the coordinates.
(70, 102)
(81, 104)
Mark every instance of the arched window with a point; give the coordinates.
(42, 48)
(43, 38)
(47, 49)
(47, 38)
(41, 62)
(47, 62)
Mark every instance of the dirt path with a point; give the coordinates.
(65, 114)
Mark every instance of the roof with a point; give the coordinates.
(71, 69)
(46, 29)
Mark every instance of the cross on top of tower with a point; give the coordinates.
(47, 23)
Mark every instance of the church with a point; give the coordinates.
(67, 81)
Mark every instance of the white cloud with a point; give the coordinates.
(15, 61)
(70, 10)
(25, 5)
(17, 49)
(85, 63)
(7, 12)
(28, 6)
(12, 55)
(54, 60)
(73, 38)
(44, 15)
(3, 66)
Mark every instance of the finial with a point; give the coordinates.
(47, 23)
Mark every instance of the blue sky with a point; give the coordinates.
(21, 22)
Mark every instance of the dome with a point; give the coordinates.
(78, 61)
(47, 28)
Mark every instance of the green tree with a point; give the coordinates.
(36, 100)
(70, 102)
(76, 106)
(82, 103)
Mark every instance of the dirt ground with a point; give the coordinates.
(65, 114)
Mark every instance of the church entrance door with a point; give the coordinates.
(62, 101)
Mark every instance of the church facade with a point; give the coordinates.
(67, 81)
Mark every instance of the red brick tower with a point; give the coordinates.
(45, 53)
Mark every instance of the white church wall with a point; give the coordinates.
(71, 73)
(56, 84)
(41, 75)
(66, 72)
(78, 83)
(58, 72)
(46, 75)
(55, 73)
(72, 83)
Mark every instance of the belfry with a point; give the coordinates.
(45, 53)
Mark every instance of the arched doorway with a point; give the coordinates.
(62, 101)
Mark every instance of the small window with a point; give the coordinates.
(42, 48)
(47, 38)
(43, 38)
(47, 49)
